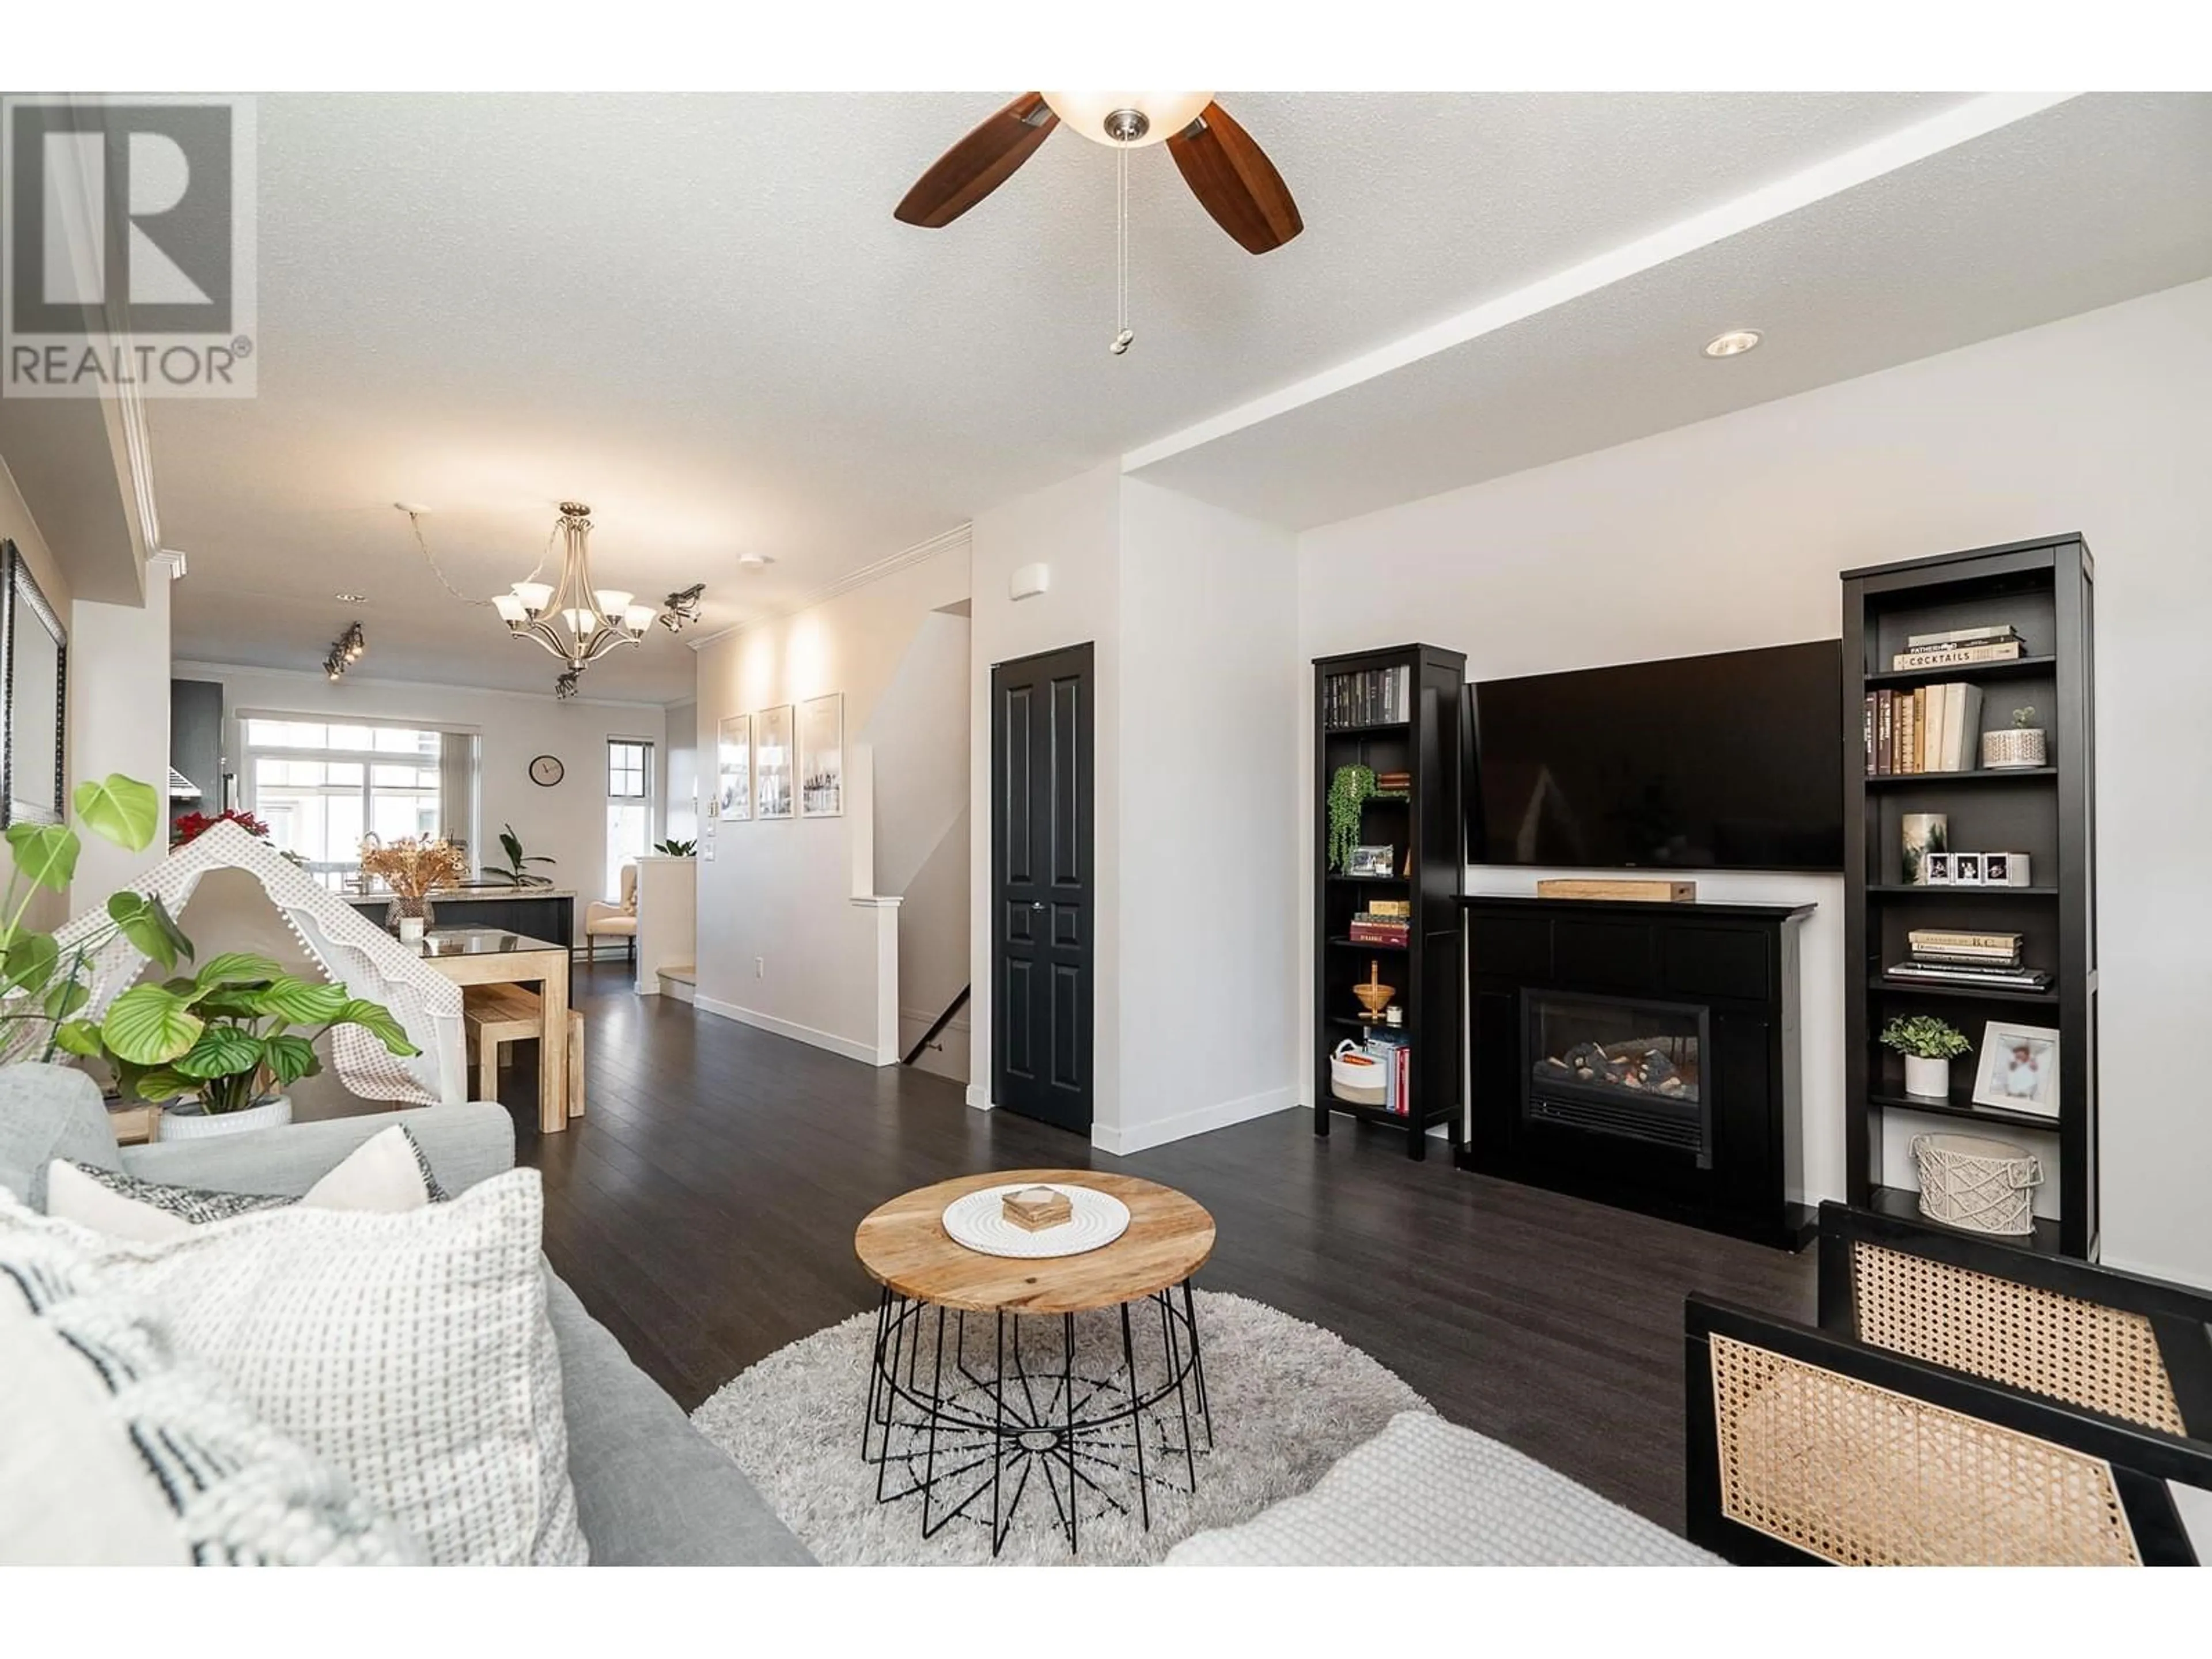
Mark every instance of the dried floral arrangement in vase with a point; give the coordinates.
(413, 867)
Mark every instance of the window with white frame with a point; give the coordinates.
(629, 806)
(322, 786)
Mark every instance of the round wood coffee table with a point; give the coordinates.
(974, 1382)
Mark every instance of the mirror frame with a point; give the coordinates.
(20, 591)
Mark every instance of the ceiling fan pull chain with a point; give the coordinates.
(1123, 335)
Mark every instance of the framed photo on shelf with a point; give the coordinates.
(733, 768)
(2019, 1068)
(822, 756)
(772, 797)
(1372, 861)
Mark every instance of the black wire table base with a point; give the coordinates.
(972, 1415)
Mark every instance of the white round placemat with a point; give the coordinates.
(978, 1222)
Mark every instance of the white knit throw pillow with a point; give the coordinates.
(412, 1350)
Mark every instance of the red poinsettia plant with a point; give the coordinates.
(190, 827)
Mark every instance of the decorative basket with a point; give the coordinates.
(1356, 1077)
(2015, 746)
(1983, 1185)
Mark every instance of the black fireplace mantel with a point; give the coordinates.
(1721, 978)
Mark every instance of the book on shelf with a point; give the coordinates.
(1960, 938)
(1959, 959)
(1931, 728)
(1979, 634)
(1365, 932)
(1395, 910)
(1953, 656)
(1937, 972)
(1373, 697)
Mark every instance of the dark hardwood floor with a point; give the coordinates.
(704, 1210)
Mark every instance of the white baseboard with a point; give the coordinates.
(1139, 1137)
(850, 1049)
(979, 1096)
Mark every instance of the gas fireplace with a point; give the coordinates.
(1642, 1054)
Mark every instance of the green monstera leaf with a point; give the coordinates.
(30, 961)
(119, 809)
(147, 923)
(77, 1036)
(44, 853)
(150, 1025)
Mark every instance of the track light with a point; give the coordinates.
(345, 651)
(565, 687)
(682, 608)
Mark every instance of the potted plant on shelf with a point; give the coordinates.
(413, 867)
(219, 1050)
(1348, 790)
(514, 874)
(1928, 1045)
(41, 991)
(2022, 745)
(677, 850)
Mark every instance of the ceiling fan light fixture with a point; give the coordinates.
(1128, 120)
(1734, 344)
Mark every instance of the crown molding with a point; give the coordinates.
(959, 536)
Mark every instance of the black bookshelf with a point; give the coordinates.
(2046, 590)
(1418, 731)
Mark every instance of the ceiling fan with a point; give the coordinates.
(1230, 174)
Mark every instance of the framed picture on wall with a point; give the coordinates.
(772, 760)
(822, 756)
(733, 767)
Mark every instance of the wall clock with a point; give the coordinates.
(546, 771)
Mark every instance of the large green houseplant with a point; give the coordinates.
(231, 1039)
(42, 988)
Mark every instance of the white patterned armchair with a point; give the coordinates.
(619, 921)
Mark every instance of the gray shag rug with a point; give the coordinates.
(1288, 1400)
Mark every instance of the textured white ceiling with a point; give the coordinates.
(697, 315)
(2096, 201)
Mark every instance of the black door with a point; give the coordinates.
(1041, 881)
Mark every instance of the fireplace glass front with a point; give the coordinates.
(1626, 1068)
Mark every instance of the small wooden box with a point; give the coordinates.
(1648, 892)
(1034, 1208)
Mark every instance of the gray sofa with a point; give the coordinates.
(650, 1489)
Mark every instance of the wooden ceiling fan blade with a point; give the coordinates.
(1234, 181)
(978, 164)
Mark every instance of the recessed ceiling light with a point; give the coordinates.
(1734, 344)
(753, 560)
(350, 598)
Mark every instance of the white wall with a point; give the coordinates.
(1192, 613)
(1731, 534)
(782, 943)
(1074, 527)
(119, 694)
(568, 822)
(1208, 722)
(679, 774)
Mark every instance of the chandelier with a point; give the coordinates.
(576, 622)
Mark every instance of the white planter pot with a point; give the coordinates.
(186, 1121)
(1928, 1078)
(2013, 746)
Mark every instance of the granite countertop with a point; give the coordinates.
(465, 894)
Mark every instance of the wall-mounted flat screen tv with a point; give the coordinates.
(1730, 761)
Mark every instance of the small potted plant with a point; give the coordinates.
(673, 848)
(1928, 1045)
(2021, 745)
(413, 867)
(1349, 789)
(218, 1051)
(513, 873)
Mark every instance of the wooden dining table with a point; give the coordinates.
(487, 956)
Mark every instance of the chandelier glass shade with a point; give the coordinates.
(571, 618)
